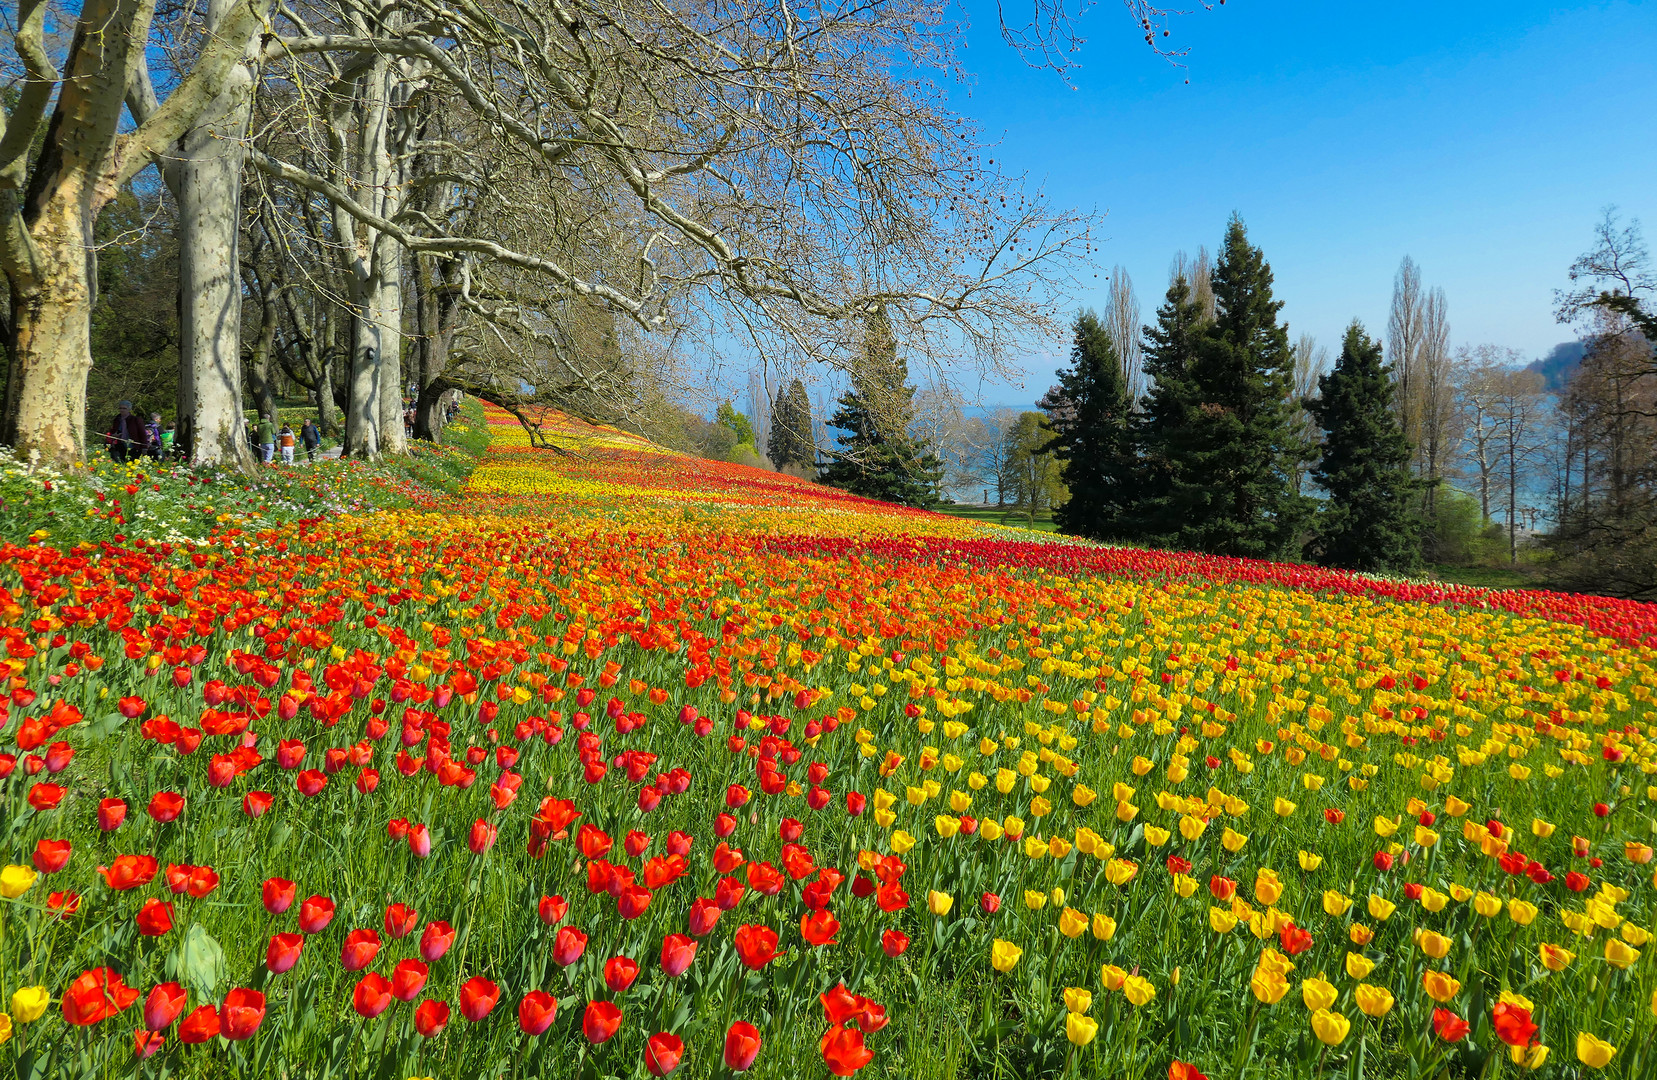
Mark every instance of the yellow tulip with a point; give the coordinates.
(1004, 780)
(1317, 993)
(1126, 811)
(1282, 807)
(1531, 1057)
(1122, 792)
(1035, 847)
(1192, 827)
(1077, 999)
(1267, 888)
(1272, 960)
(1035, 899)
(1184, 884)
(1083, 795)
(1080, 1029)
(1460, 893)
(1541, 828)
(1138, 989)
(939, 903)
(1555, 958)
(1268, 986)
(1358, 966)
(946, 826)
(1004, 954)
(1072, 923)
(1104, 927)
(902, 842)
(1635, 935)
(1433, 900)
(1058, 847)
(1381, 908)
(1521, 912)
(1455, 807)
(1434, 944)
(1329, 1027)
(884, 799)
(15, 881)
(977, 780)
(1334, 903)
(1220, 920)
(1112, 977)
(1040, 806)
(1120, 871)
(1088, 841)
(1309, 862)
(5, 1029)
(29, 1004)
(1155, 836)
(990, 829)
(1232, 840)
(1619, 955)
(1440, 986)
(1593, 1052)
(1142, 765)
(1486, 905)
(1057, 896)
(1014, 826)
(1385, 826)
(1374, 1001)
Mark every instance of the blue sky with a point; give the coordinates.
(1480, 138)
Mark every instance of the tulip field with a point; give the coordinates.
(623, 763)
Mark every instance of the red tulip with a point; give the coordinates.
(96, 995)
(400, 921)
(481, 838)
(536, 1012)
(166, 806)
(372, 995)
(568, 946)
(726, 858)
(819, 927)
(678, 843)
(1449, 1026)
(146, 1044)
(633, 901)
(843, 1050)
(315, 914)
(742, 1043)
(200, 1025)
(989, 903)
(435, 940)
(419, 841)
(1222, 888)
(242, 1013)
(154, 918)
(162, 1007)
(111, 813)
(663, 1053)
(256, 803)
(201, 881)
(361, 946)
(704, 913)
(408, 978)
(723, 825)
(1383, 861)
(593, 842)
(765, 879)
(635, 843)
(431, 1018)
(311, 782)
(600, 1022)
(756, 945)
(552, 909)
(678, 951)
(856, 802)
(130, 871)
(894, 942)
(51, 855)
(1513, 1024)
(840, 1005)
(477, 997)
(278, 894)
(283, 952)
(1293, 939)
(619, 973)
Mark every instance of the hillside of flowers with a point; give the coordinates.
(625, 763)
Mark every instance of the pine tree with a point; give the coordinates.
(1231, 482)
(1369, 522)
(1088, 415)
(878, 457)
(1168, 408)
(791, 445)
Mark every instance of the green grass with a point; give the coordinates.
(1486, 577)
(1016, 518)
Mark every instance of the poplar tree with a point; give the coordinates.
(1369, 522)
(791, 443)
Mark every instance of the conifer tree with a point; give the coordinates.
(1088, 415)
(1369, 522)
(878, 457)
(791, 444)
(1231, 483)
(1168, 408)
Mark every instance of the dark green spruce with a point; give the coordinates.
(878, 457)
(1369, 522)
(1088, 414)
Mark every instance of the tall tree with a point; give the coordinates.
(1232, 462)
(1034, 472)
(1370, 521)
(791, 446)
(1122, 320)
(1404, 336)
(1088, 413)
(1168, 409)
(879, 457)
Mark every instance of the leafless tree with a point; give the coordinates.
(1122, 322)
(1311, 360)
(1405, 334)
(1437, 394)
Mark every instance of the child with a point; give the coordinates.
(286, 439)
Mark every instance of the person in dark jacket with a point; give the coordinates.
(311, 439)
(126, 435)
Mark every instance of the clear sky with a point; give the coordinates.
(1481, 138)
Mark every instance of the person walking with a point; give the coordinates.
(126, 437)
(285, 439)
(168, 445)
(267, 439)
(152, 437)
(312, 438)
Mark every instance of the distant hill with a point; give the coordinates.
(1559, 365)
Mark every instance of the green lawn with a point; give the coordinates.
(1486, 577)
(1043, 520)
